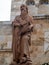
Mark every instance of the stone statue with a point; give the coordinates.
(22, 28)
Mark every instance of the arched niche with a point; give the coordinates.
(30, 2)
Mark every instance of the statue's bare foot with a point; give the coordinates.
(23, 60)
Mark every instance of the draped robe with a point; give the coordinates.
(20, 43)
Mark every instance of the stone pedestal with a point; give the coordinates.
(27, 62)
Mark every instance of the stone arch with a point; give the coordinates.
(30, 2)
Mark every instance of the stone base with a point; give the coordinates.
(24, 61)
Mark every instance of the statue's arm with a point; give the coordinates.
(15, 23)
(31, 23)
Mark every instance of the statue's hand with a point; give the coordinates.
(31, 27)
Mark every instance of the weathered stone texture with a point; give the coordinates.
(5, 58)
(43, 9)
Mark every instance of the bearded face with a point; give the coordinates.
(24, 10)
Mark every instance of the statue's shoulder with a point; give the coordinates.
(17, 17)
(30, 17)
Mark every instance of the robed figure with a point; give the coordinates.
(22, 28)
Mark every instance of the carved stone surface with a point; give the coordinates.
(22, 28)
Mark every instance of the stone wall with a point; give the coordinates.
(43, 9)
(40, 42)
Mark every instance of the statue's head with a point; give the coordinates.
(24, 9)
